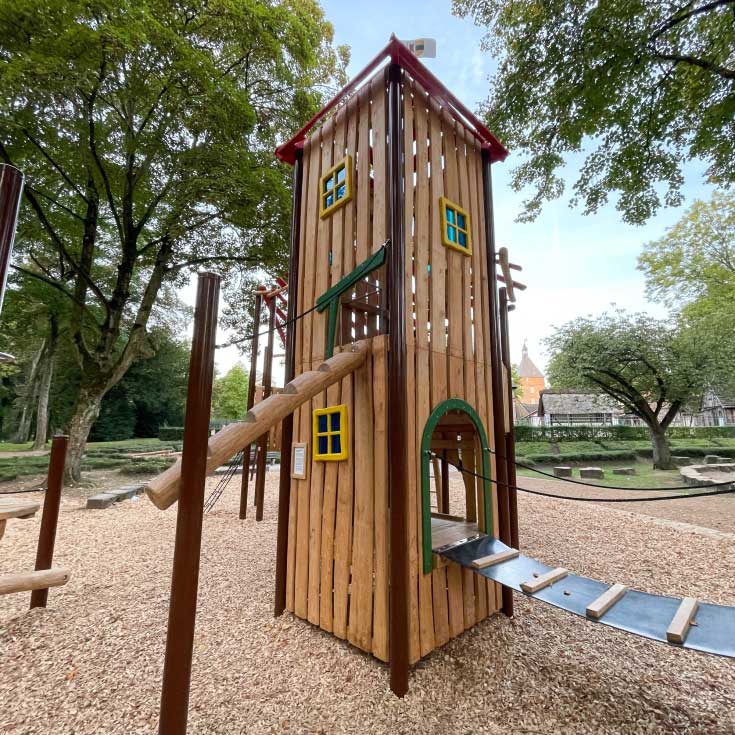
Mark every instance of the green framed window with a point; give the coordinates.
(335, 188)
(330, 434)
(455, 226)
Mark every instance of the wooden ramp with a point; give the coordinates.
(163, 490)
(685, 623)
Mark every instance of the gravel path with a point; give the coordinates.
(91, 663)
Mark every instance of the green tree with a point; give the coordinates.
(653, 368)
(692, 269)
(230, 394)
(146, 130)
(639, 86)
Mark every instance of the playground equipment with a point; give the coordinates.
(397, 363)
(44, 576)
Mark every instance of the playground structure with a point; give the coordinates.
(44, 575)
(397, 365)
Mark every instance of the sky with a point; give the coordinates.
(573, 264)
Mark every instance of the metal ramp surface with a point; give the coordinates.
(643, 614)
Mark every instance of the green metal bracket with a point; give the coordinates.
(452, 404)
(330, 298)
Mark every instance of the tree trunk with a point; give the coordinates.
(661, 451)
(86, 411)
(46, 371)
(26, 399)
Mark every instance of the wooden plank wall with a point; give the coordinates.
(337, 563)
(447, 338)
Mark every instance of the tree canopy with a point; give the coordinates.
(692, 269)
(230, 394)
(639, 86)
(652, 367)
(146, 132)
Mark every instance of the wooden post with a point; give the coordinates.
(250, 402)
(263, 440)
(496, 373)
(11, 190)
(185, 577)
(284, 482)
(50, 517)
(445, 484)
(397, 426)
(510, 441)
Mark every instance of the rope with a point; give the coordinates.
(608, 487)
(589, 500)
(216, 494)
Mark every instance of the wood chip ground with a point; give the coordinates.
(91, 663)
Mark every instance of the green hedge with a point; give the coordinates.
(525, 433)
(171, 433)
(609, 456)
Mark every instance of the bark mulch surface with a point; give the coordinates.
(91, 662)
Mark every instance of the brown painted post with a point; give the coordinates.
(185, 577)
(263, 440)
(495, 372)
(397, 426)
(50, 516)
(510, 441)
(284, 483)
(11, 190)
(250, 402)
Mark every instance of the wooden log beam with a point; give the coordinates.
(163, 490)
(29, 581)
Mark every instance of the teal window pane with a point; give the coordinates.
(450, 215)
(336, 444)
(341, 174)
(322, 423)
(323, 447)
(341, 190)
(452, 234)
(462, 239)
(335, 417)
(329, 184)
(329, 201)
(461, 221)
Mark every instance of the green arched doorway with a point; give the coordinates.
(452, 404)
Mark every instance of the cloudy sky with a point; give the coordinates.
(572, 264)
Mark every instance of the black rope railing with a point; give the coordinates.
(684, 496)
(609, 487)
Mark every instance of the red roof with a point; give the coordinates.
(400, 54)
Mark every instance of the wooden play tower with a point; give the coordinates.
(393, 241)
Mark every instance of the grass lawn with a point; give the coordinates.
(98, 456)
(645, 476)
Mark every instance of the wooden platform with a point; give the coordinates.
(448, 530)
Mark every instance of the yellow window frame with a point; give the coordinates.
(324, 210)
(443, 204)
(329, 433)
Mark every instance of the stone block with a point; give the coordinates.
(595, 473)
(562, 471)
(681, 461)
(714, 459)
(101, 500)
(623, 471)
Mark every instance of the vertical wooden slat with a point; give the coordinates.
(422, 252)
(380, 609)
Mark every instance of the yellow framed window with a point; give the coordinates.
(335, 189)
(455, 226)
(330, 434)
